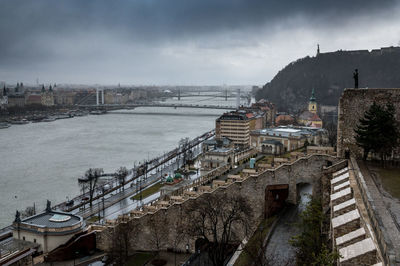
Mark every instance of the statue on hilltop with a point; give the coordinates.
(355, 77)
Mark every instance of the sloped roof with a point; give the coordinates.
(315, 117)
(284, 118)
(306, 115)
(272, 141)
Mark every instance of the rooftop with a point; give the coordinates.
(286, 132)
(272, 141)
(52, 220)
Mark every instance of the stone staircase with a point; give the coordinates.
(349, 230)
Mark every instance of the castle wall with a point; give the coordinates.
(164, 220)
(352, 105)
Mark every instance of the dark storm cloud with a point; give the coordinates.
(42, 29)
(151, 19)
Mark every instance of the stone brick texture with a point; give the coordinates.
(344, 210)
(353, 241)
(369, 258)
(342, 199)
(352, 105)
(346, 228)
(304, 170)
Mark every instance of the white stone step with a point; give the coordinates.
(345, 218)
(340, 193)
(339, 178)
(341, 171)
(350, 236)
(343, 185)
(344, 205)
(356, 249)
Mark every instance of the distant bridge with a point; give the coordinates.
(226, 96)
(133, 106)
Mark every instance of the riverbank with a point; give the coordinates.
(41, 159)
(39, 114)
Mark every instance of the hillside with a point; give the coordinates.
(329, 74)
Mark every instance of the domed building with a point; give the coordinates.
(48, 229)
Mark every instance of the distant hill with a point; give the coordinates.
(329, 74)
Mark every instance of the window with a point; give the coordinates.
(23, 238)
(34, 240)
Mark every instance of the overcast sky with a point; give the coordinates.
(181, 42)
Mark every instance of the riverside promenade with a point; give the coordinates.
(135, 181)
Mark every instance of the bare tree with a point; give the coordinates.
(121, 175)
(122, 236)
(215, 218)
(178, 234)
(89, 181)
(158, 231)
(331, 129)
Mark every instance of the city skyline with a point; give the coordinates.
(183, 42)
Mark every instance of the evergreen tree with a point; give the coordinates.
(310, 243)
(389, 132)
(377, 131)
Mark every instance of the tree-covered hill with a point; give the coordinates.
(329, 74)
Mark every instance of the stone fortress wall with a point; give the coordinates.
(304, 170)
(352, 105)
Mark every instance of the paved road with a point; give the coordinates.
(278, 249)
(119, 202)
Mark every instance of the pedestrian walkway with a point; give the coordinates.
(387, 225)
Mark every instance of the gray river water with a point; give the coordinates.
(40, 161)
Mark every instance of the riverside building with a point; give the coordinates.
(48, 229)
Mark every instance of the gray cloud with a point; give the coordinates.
(42, 36)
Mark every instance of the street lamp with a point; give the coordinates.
(76, 255)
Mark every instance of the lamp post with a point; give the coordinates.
(76, 255)
(104, 210)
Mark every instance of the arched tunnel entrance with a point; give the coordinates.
(278, 246)
(275, 197)
(304, 191)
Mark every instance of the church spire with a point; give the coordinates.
(312, 98)
(312, 104)
(318, 49)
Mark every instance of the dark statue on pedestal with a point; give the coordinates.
(355, 77)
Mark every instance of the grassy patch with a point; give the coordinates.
(149, 191)
(390, 178)
(93, 219)
(255, 242)
(139, 259)
(285, 155)
(268, 159)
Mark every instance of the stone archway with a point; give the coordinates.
(200, 244)
(275, 198)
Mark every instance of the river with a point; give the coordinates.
(40, 161)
